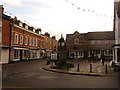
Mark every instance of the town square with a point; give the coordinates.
(52, 49)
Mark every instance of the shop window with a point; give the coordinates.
(16, 54)
(16, 39)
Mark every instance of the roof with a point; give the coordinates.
(104, 35)
(5, 16)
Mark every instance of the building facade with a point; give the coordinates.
(116, 47)
(4, 36)
(22, 42)
(90, 45)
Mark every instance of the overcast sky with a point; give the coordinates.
(63, 16)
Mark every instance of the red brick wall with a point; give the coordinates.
(5, 32)
(19, 31)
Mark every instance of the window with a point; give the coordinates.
(76, 41)
(0, 37)
(98, 42)
(36, 42)
(26, 26)
(112, 42)
(20, 24)
(33, 41)
(92, 42)
(41, 43)
(16, 39)
(106, 42)
(26, 40)
(30, 41)
(21, 39)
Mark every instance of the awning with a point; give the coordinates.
(116, 45)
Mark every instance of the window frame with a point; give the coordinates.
(16, 39)
(21, 39)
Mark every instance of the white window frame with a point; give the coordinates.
(30, 41)
(106, 41)
(41, 43)
(99, 42)
(33, 41)
(26, 40)
(21, 39)
(16, 39)
(0, 37)
(26, 26)
(36, 42)
(20, 24)
(92, 42)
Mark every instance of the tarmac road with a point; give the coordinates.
(31, 75)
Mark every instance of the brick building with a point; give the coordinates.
(90, 45)
(23, 42)
(4, 36)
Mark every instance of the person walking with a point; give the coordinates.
(103, 59)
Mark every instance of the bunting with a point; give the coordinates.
(87, 10)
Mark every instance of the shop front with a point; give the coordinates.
(116, 53)
(34, 54)
(20, 54)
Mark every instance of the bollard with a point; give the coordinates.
(90, 67)
(78, 68)
(106, 68)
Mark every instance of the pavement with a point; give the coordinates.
(98, 69)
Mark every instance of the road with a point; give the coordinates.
(31, 75)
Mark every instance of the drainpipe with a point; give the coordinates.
(10, 40)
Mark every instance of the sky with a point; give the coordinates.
(63, 16)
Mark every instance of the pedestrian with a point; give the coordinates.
(48, 61)
(103, 59)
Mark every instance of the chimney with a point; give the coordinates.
(53, 37)
(38, 30)
(47, 34)
(15, 18)
(1, 9)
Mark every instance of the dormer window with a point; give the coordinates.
(26, 26)
(20, 24)
(33, 30)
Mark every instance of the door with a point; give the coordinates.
(118, 54)
(21, 55)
